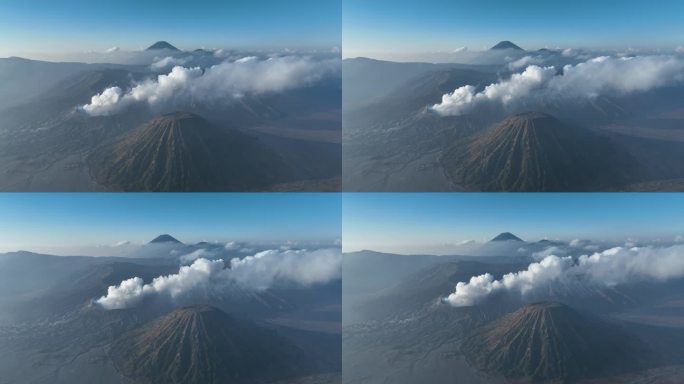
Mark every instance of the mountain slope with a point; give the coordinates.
(202, 344)
(505, 45)
(536, 152)
(551, 341)
(184, 152)
(506, 236)
(165, 238)
(161, 45)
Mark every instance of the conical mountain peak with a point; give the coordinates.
(551, 341)
(161, 45)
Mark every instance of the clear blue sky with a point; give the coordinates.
(393, 25)
(32, 220)
(79, 25)
(395, 220)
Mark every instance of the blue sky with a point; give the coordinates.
(431, 25)
(80, 25)
(422, 220)
(62, 220)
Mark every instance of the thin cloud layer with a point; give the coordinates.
(258, 272)
(222, 82)
(614, 266)
(587, 80)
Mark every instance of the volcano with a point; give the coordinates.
(202, 344)
(551, 341)
(506, 236)
(165, 239)
(536, 152)
(505, 45)
(184, 152)
(161, 45)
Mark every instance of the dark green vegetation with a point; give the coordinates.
(551, 341)
(202, 344)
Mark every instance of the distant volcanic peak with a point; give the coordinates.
(161, 45)
(506, 45)
(506, 236)
(164, 239)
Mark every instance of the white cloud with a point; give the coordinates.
(258, 272)
(199, 253)
(598, 76)
(246, 59)
(167, 62)
(460, 49)
(219, 83)
(105, 103)
(112, 50)
(525, 61)
(465, 99)
(569, 52)
(233, 245)
(614, 266)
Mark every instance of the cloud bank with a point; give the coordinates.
(258, 272)
(587, 80)
(614, 266)
(225, 81)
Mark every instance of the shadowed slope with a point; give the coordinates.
(536, 152)
(551, 341)
(161, 45)
(202, 344)
(184, 152)
(505, 45)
